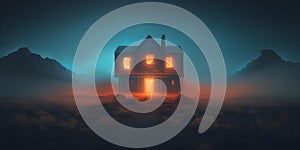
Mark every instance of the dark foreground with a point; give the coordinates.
(49, 126)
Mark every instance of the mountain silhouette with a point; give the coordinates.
(268, 61)
(25, 63)
(269, 76)
(26, 74)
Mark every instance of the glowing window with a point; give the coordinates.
(150, 59)
(169, 62)
(173, 82)
(126, 63)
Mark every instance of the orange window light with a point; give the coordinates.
(126, 63)
(150, 59)
(173, 82)
(169, 62)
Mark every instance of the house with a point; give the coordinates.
(159, 61)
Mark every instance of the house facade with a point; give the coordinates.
(156, 61)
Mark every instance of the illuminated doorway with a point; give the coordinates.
(149, 87)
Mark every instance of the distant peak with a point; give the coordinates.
(270, 54)
(24, 50)
(149, 37)
(267, 58)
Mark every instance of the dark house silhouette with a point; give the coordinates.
(142, 75)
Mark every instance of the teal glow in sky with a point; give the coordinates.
(55, 28)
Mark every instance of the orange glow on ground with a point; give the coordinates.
(150, 59)
(234, 92)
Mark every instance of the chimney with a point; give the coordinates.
(163, 42)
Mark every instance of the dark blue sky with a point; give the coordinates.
(242, 29)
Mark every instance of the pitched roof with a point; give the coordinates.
(148, 44)
(169, 49)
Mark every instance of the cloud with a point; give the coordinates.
(43, 120)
